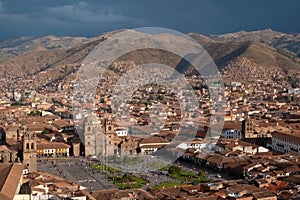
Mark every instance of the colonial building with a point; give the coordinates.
(197, 143)
(64, 125)
(152, 144)
(286, 141)
(53, 149)
(232, 130)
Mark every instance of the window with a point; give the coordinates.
(32, 146)
(27, 146)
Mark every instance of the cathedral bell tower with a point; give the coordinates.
(108, 126)
(109, 131)
(29, 149)
(247, 128)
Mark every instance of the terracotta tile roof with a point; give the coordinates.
(252, 165)
(4, 171)
(63, 123)
(293, 168)
(171, 192)
(61, 184)
(218, 159)
(105, 194)
(232, 125)
(278, 172)
(233, 165)
(153, 140)
(290, 136)
(53, 145)
(152, 146)
(208, 198)
(4, 197)
(36, 189)
(292, 179)
(277, 186)
(263, 195)
(10, 175)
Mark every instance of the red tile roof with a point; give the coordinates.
(10, 175)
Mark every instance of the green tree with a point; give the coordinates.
(174, 170)
(35, 113)
(45, 132)
(201, 173)
(160, 97)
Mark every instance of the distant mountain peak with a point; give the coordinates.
(15, 47)
(282, 41)
(58, 57)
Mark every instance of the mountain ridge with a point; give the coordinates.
(59, 57)
(11, 48)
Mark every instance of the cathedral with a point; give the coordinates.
(99, 139)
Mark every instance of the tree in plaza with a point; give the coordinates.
(201, 173)
(174, 170)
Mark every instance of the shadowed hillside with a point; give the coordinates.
(243, 55)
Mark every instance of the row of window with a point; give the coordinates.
(284, 148)
(51, 150)
(284, 141)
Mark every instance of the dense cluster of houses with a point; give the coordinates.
(259, 134)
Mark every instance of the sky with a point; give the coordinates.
(90, 18)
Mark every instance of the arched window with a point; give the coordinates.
(27, 146)
(32, 146)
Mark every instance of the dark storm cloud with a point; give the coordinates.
(88, 18)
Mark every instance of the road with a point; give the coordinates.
(79, 172)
